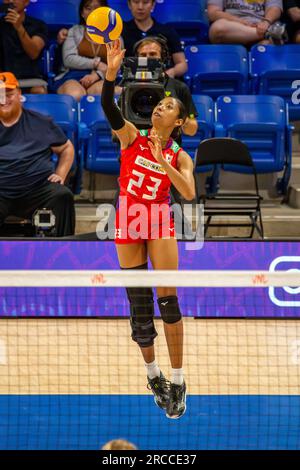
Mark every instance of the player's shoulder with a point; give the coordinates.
(183, 158)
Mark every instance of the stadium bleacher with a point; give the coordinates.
(215, 72)
(273, 70)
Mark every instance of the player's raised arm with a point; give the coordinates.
(125, 130)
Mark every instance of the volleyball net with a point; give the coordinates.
(72, 378)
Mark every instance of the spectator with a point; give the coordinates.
(119, 444)
(292, 16)
(62, 36)
(27, 180)
(155, 48)
(242, 22)
(84, 61)
(22, 40)
(143, 25)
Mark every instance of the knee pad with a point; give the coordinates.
(141, 313)
(169, 309)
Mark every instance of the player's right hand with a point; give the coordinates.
(115, 55)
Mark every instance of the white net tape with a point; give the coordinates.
(159, 278)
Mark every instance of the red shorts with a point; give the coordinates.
(137, 222)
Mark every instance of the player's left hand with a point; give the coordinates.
(14, 18)
(54, 178)
(155, 146)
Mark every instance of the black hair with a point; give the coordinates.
(82, 5)
(183, 114)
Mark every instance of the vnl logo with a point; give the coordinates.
(296, 94)
(285, 296)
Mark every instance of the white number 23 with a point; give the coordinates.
(139, 182)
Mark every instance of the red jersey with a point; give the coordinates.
(142, 178)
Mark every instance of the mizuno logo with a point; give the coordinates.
(143, 148)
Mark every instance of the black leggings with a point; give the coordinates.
(52, 196)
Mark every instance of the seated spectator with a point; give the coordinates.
(22, 40)
(242, 22)
(143, 25)
(27, 179)
(84, 61)
(156, 48)
(292, 17)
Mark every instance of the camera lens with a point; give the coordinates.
(45, 218)
(143, 102)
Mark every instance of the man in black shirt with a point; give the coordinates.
(143, 25)
(151, 47)
(27, 179)
(292, 16)
(22, 40)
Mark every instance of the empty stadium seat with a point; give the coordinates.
(274, 70)
(215, 70)
(64, 111)
(101, 155)
(188, 18)
(56, 14)
(206, 120)
(261, 122)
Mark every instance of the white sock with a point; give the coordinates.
(177, 376)
(152, 369)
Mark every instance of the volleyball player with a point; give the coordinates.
(150, 162)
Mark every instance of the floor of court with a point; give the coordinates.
(74, 384)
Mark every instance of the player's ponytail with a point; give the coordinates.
(181, 115)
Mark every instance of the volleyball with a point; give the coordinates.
(104, 25)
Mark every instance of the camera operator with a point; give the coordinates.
(156, 48)
(144, 83)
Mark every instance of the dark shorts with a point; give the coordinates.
(71, 75)
(292, 29)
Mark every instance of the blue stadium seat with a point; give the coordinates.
(121, 7)
(273, 70)
(205, 108)
(57, 14)
(261, 122)
(188, 18)
(64, 111)
(206, 120)
(44, 63)
(101, 155)
(215, 70)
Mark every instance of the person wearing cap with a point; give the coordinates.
(22, 40)
(27, 179)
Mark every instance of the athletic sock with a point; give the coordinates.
(177, 376)
(152, 370)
